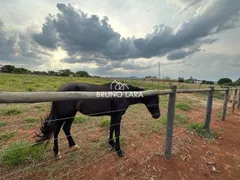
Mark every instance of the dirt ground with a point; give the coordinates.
(193, 157)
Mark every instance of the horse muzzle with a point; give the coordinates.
(156, 116)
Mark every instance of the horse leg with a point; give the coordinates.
(55, 145)
(111, 128)
(117, 121)
(67, 130)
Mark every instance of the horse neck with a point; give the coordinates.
(135, 100)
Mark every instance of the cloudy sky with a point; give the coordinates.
(198, 38)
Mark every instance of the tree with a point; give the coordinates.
(40, 73)
(82, 74)
(207, 82)
(7, 69)
(224, 81)
(180, 79)
(237, 82)
(65, 72)
(21, 71)
(53, 73)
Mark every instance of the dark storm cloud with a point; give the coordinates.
(20, 48)
(181, 54)
(47, 37)
(78, 34)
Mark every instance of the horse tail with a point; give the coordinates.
(46, 129)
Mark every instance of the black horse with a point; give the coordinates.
(63, 112)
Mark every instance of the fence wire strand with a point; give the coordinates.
(67, 154)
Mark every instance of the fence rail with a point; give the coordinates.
(34, 97)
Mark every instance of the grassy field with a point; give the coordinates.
(19, 122)
(22, 82)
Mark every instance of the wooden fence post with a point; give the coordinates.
(234, 99)
(224, 111)
(238, 106)
(209, 108)
(170, 122)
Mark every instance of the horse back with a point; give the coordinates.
(96, 107)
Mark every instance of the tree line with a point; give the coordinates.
(191, 80)
(221, 81)
(228, 82)
(64, 72)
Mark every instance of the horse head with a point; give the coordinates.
(152, 104)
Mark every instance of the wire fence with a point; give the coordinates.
(171, 104)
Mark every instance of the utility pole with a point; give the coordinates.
(159, 75)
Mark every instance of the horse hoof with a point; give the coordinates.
(120, 153)
(75, 147)
(57, 157)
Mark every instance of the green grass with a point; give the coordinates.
(81, 119)
(155, 126)
(2, 123)
(219, 114)
(203, 132)
(178, 119)
(29, 82)
(7, 135)
(31, 120)
(218, 95)
(39, 108)
(20, 153)
(10, 111)
(105, 122)
(183, 106)
(28, 125)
